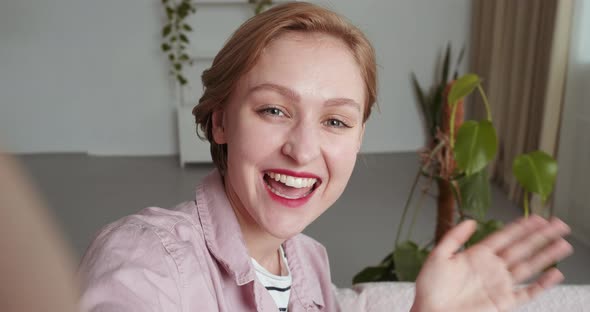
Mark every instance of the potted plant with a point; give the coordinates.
(456, 158)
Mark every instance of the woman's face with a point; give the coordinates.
(293, 127)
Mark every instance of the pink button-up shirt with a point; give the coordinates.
(193, 258)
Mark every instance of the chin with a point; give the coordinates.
(285, 232)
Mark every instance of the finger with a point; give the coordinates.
(530, 244)
(544, 258)
(546, 281)
(513, 232)
(455, 238)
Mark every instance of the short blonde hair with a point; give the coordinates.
(243, 49)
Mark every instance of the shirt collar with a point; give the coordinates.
(305, 285)
(224, 240)
(222, 230)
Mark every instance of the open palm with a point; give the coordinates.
(485, 277)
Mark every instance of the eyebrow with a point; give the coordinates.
(295, 97)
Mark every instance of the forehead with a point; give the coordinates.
(314, 65)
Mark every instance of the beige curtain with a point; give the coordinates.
(517, 48)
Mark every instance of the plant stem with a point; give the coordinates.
(452, 124)
(412, 190)
(407, 205)
(417, 211)
(457, 194)
(526, 204)
(488, 113)
(485, 101)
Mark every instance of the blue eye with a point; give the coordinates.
(335, 123)
(273, 111)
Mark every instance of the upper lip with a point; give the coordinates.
(298, 174)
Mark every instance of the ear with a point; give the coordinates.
(218, 127)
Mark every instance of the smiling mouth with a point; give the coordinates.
(290, 187)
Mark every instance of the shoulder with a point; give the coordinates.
(162, 223)
(152, 231)
(166, 219)
(144, 261)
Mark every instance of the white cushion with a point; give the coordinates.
(397, 296)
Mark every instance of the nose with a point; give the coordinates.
(302, 144)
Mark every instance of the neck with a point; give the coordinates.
(263, 248)
(261, 245)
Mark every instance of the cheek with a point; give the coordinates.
(252, 139)
(340, 158)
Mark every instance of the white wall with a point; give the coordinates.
(88, 76)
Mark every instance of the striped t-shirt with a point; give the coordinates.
(279, 287)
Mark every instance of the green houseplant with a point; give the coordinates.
(456, 158)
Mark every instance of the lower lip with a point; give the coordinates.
(291, 203)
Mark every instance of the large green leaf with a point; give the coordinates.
(408, 258)
(370, 274)
(475, 194)
(475, 146)
(383, 272)
(536, 172)
(462, 87)
(483, 230)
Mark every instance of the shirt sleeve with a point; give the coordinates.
(128, 268)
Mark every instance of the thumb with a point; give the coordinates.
(455, 239)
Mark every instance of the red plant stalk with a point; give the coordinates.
(446, 199)
(446, 129)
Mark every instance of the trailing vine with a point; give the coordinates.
(175, 33)
(175, 36)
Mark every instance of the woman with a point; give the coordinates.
(284, 108)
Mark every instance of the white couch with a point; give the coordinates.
(395, 296)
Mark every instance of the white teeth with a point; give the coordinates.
(292, 181)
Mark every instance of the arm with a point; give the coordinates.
(36, 268)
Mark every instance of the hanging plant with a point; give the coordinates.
(175, 35)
